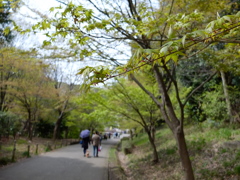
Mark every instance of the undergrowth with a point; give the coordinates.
(37, 146)
(211, 156)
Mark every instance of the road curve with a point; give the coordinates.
(66, 163)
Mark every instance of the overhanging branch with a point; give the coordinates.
(208, 79)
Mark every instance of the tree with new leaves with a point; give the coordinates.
(158, 38)
(87, 114)
(64, 91)
(133, 105)
(29, 89)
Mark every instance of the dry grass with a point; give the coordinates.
(212, 158)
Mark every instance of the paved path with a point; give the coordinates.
(66, 163)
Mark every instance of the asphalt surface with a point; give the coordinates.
(67, 163)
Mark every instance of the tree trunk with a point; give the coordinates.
(57, 129)
(66, 133)
(30, 132)
(131, 134)
(227, 98)
(183, 153)
(171, 119)
(152, 142)
(175, 124)
(29, 125)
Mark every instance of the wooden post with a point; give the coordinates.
(48, 148)
(28, 151)
(62, 143)
(14, 150)
(36, 149)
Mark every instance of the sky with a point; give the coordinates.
(42, 5)
(26, 17)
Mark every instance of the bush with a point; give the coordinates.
(214, 105)
(171, 151)
(225, 133)
(198, 144)
(9, 123)
(4, 161)
(127, 147)
(237, 170)
(48, 148)
(26, 154)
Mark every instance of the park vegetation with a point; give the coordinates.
(166, 62)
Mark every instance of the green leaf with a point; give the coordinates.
(174, 57)
(170, 31)
(183, 40)
(6, 31)
(168, 58)
(164, 50)
(51, 9)
(46, 43)
(45, 25)
(200, 33)
(227, 18)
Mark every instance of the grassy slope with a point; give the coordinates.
(214, 152)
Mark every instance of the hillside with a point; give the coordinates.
(214, 152)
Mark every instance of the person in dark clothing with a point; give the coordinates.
(85, 142)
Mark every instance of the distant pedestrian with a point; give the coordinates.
(95, 143)
(101, 137)
(85, 142)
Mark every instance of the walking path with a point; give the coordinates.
(67, 163)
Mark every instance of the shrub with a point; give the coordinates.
(4, 161)
(48, 148)
(225, 133)
(127, 147)
(26, 154)
(170, 151)
(237, 169)
(198, 144)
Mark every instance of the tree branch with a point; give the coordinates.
(208, 79)
(61, 2)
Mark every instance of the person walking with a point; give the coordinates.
(85, 135)
(95, 143)
(101, 137)
(85, 142)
